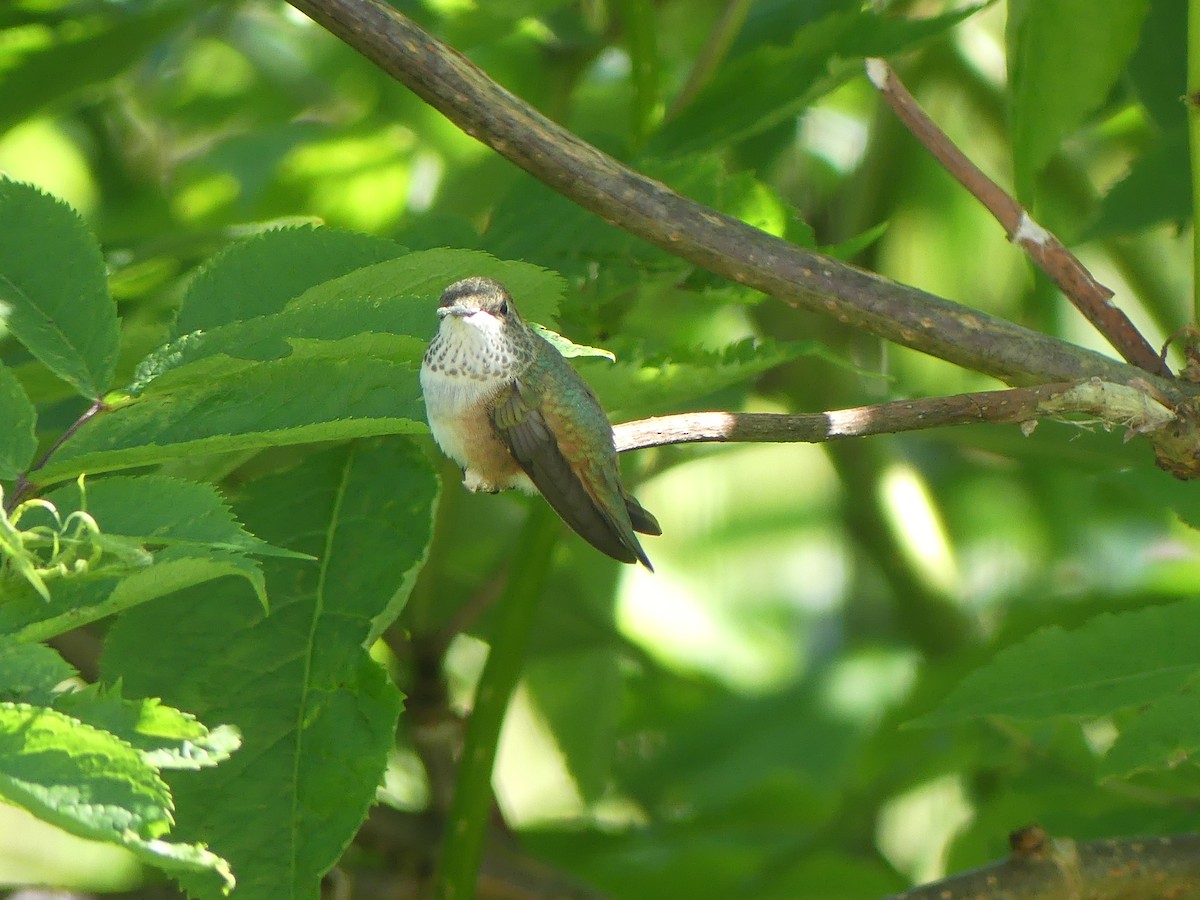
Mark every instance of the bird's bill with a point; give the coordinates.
(457, 309)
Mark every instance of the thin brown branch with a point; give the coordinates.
(24, 486)
(1116, 405)
(707, 238)
(1088, 295)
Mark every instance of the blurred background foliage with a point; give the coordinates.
(731, 725)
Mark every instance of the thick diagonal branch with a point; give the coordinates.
(717, 242)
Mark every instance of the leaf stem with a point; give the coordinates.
(471, 808)
(23, 486)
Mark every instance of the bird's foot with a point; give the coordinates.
(476, 484)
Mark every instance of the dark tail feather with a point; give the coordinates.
(643, 522)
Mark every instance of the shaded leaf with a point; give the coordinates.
(18, 442)
(1064, 57)
(1163, 735)
(639, 386)
(786, 79)
(79, 57)
(1157, 189)
(316, 713)
(1111, 662)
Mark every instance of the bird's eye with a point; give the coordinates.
(504, 307)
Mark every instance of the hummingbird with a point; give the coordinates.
(505, 405)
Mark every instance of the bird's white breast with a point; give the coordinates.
(464, 369)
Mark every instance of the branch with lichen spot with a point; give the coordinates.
(1115, 405)
(1088, 295)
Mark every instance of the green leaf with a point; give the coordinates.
(194, 536)
(1157, 189)
(568, 347)
(262, 405)
(1064, 57)
(31, 672)
(74, 601)
(317, 715)
(58, 306)
(157, 509)
(92, 784)
(85, 53)
(165, 737)
(1163, 735)
(1111, 662)
(638, 386)
(851, 247)
(425, 274)
(770, 84)
(258, 276)
(78, 777)
(18, 442)
(1158, 67)
(396, 297)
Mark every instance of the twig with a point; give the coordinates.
(1090, 297)
(23, 486)
(1117, 405)
(707, 238)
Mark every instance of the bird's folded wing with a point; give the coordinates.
(529, 437)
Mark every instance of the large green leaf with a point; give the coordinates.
(396, 297)
(1063, 59)
(53, 294)
(1111, 662)
(317, 714)
(361, 392)
(258, 276)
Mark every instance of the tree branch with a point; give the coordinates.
(710, 239)
(1041, 868)
(1088, 295)
(1114, 404)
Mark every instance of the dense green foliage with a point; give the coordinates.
(222, 236)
